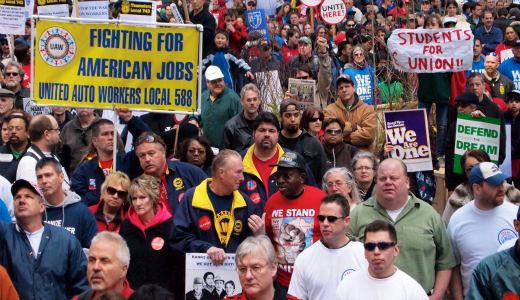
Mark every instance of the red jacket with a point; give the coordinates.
(90, 295)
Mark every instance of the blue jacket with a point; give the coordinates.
(74, 216)
(59, 271)
(195, 221)
(490, 39)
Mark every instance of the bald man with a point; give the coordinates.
(500, 85)
(44, 133)
(426, 253)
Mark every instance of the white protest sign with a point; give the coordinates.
(92, 10)
(333, 11)
(506, 166)
(142, 11)
(55, 8)
(311, 3)
(12, 17)
(476, 133)
(431, 50)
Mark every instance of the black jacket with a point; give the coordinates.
(339, 155)
(8, 168)
(311, 150)
(515, 134)
(238, 133)
(206, 19)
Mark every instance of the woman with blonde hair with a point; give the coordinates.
(147, 231)
(111, 208)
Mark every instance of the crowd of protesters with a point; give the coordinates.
(311, 203)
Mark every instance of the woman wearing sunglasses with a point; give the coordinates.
(339, 153)
(147, 231)
(111, 209)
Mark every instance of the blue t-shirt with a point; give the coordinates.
(365, 83)
(511, 69)
(478, 66)
(4, 213)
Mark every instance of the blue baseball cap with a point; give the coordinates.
(488, 172)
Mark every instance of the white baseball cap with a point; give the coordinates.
(213, 72)
(488, 172)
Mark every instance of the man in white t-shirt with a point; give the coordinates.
(383, 280)
(319, 269)
(478, 228)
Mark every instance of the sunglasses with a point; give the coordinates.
(147, 139)
(12, 74)
(112, 191)
(251, 3)
(314, 119)
(380, 245)
(216, 81)
(333, 131)
(330, 219)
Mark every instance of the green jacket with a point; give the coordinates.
(434, 87)
(421, 234)
(215, 114)
(495, 276)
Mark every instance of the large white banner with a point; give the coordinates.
(431, 50)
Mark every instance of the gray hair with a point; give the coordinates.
(254, 245)
(222, 159)
(123, 253)
(349, 179)
(365, 155)
(249, 87)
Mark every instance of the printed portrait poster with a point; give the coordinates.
(303, 91)
(407, 131)
(204, 279)
(12, 17)
(476, 133)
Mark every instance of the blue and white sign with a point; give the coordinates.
(257, 21)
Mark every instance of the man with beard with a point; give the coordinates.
(359, 117)
(215, 217)
(487, 219)
(291, 214)
(17, 124)
(294, 138)
(13, 77)
(44, 134)
(238, 130)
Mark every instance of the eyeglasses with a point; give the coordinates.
(303, 77)
(330, 219)
(337, 184)
(251, 4)
(200, 151)
(380, 245)
(255, 269)
(314, 119)
(333, 131)
(359, 54)
(350, 25)
(112, 191)
(13, 74)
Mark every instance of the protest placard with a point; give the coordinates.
(102, 65)
(12, 17)
(55, 8)
(199, 264)
(407, 131)
(311, 3)
(303, 91)
(138, 10)
(257, 21)
(431, 50)
(92, 10)
(476, 133)
(333, 11)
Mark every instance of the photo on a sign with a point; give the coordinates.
(303, 91)
(205, 281)
(407, 132)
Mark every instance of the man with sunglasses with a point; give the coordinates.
(219, 104)
(320, 268)
(13, 78)
(480, 227)
(425, 251)
(291, 220)
(382, 279)
(64, 208)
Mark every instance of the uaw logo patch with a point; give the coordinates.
(505, 235)
(57, 46)
(255, 20)
(178, 183)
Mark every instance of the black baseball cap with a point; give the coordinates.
(467, 98)
(292, 160)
